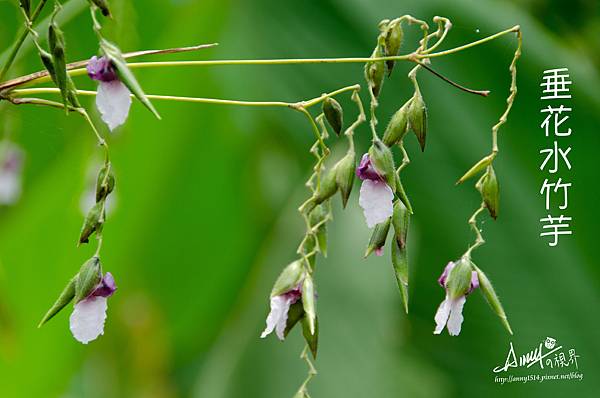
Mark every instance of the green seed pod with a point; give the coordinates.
(400, 221)
(65, 298)
(312, 339)
(103, 6)
(26, 6)
(56, 40)
(490, 192)
(417, 118)
(289, 279)
(93, 222)
(476, 169)
(383, 161)
(88, 278)
(344, 175)
(105, 183)
(400, 263)
(393, 42)
(375, 71)
(398, 126)
(334, 114)
(490, 295)
(327, 187)
(378, 237)
(309, 304)
(295, 313)
(459, 280)
(317, 217)
(113, 53)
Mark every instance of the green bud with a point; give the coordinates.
(65, 298)
(492, 298)
(289, 279)
(344, 175)
(317, 217)
(400, 221)
(103, 6)
(398, 126)
(48, 63)
(56, 40)
(476, 169)
(327, 187)
(312, 339)
(295, 313)
(88, 278)
(383, 161)
(308, 302)
(93, 222)
(400, 263)
(375, 71)
(393, 42)
(459, 279)
(334, 114)
(489, 191)
(113, 53)
(105, 183)
(378, 237)
(417, 118)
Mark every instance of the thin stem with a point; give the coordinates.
(515, 28)
(483, 93)
(478, 237)
(312, 371)
(21, 39)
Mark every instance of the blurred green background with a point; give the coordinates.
(205, 214)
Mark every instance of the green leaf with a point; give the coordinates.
(112, 52)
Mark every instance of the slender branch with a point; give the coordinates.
(21, 39)
(483, 93)
(515, 28)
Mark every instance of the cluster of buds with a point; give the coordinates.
(94, 220)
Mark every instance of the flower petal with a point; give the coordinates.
(441, 316)
(87, 319)
(277, 318)
(376, 201)
(455, 320)
(113, 101)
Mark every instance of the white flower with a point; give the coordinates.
(449, 314)
(87, 319)
(376, 199)
(113, 101)
(277, 318)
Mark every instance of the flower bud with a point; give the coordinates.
(400, 263)
(417, 118)
(375, 71)
(458, 282)
(383, 161)
(334, 114)
(105, 183)
(88, 278)
(48, 63)
(312, 339)
(56, 40)
(103, 6)
(489, 191)
(327, 187)
(491, 297)
(113, 54)
(308, 302)
(476, 169)
(93, 222)
(344, 175)
(400, 221)
(378, 238)
(289, 279)
(398, 126)
(393, 42)
(65, 298)
(318, 217)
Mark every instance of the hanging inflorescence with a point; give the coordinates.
(383, 198)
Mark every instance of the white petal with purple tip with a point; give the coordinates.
(376, 199)
(87, 319)
(113, 101)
